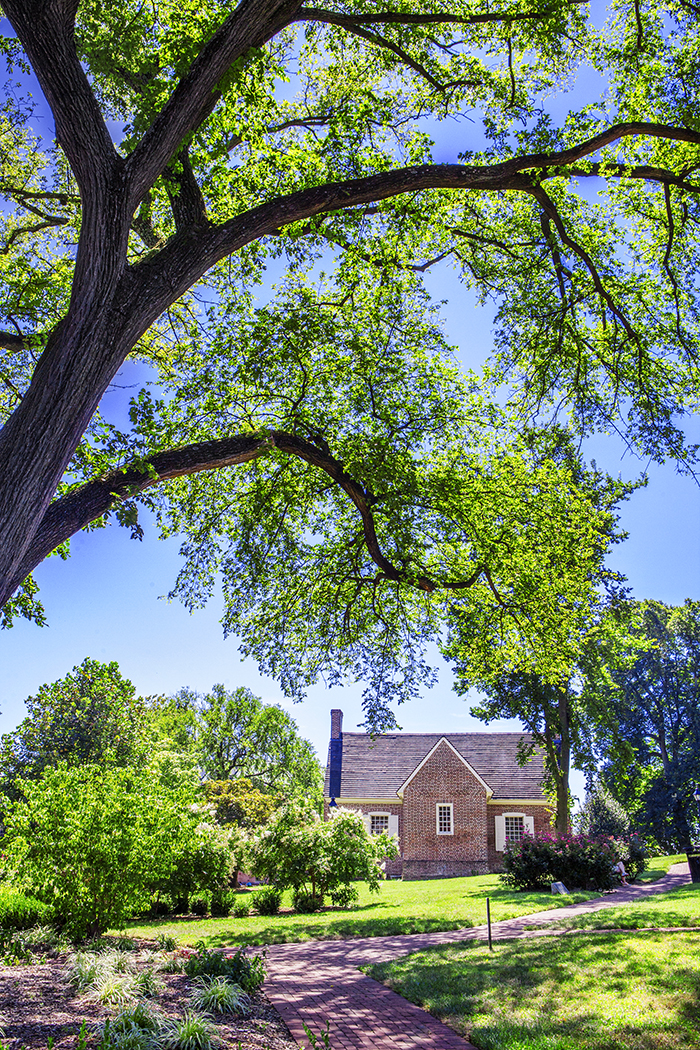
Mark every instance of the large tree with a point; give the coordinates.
(233, 735)
(564, 716)
(199, 144)
(651, 756)
(91, 716)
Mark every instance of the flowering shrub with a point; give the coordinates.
(315, 857)
(579, 861)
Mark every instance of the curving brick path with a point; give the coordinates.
(319, 981)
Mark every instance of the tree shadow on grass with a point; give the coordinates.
(545, 994)
(341, 928)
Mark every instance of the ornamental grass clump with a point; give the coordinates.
(83, 969)
(192, 1032)
(219, 995)
(136, 1027)
(112, 989)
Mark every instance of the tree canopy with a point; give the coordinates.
(652, 755)
(314, 442)
(92, 716)
(233, 735)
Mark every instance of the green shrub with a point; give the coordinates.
(159, 909)
(345, 896)
(305, 903)
(603, 815)
(93, 840)
(267, 900)
(241, 908)
(634, 856)
(13, 950)
(221, 902)
(199, 906)
(19, 912)
(248, 971)
(578, 861)
(299, 851)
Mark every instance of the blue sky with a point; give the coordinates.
(106, 601)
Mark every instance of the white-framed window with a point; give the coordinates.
(378, 822)
(515, 828)
(510, 827)
(443, 818)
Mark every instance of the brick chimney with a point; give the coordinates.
(336, 723)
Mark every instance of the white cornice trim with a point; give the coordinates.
(443, 739)
(390, 800)
(518, 802)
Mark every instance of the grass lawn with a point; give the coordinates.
(677, 908)
(658, 867)
(603, 992)
(399, 907)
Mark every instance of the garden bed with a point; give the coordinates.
(37, 1005)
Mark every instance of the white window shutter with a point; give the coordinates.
(529, 825)
(500, 834)
(367, 821)
(394, 824)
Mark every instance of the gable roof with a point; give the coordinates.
(378, 767)
(444, 740)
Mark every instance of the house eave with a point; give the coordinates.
(518, 802)
(344, 800)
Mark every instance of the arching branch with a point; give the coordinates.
(85, 504)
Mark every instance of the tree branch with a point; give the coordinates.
(319, 14)
(550, 209)
(252, 24)
(186, 200)
(70, 513)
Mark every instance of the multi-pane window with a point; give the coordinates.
(515, 829)
(379, 822)
(444, 818)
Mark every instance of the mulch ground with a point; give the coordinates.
(37, 1004)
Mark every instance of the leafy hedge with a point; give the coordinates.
(579, 861)
(19, 912)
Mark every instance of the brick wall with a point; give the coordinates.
(543, 824)
(443, 779)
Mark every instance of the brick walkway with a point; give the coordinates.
(318, 981)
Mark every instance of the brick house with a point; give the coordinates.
(453, 801)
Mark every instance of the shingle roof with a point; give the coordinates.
(377, 767)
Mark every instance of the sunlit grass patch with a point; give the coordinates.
(675, 908)
(657, 867)
(608, 992)
(399, 907)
